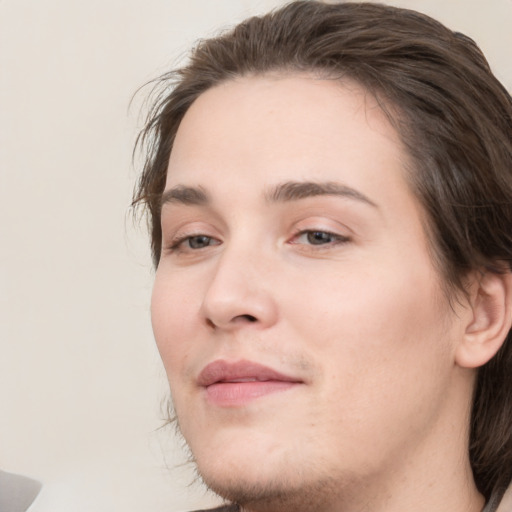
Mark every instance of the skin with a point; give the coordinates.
(356, 312)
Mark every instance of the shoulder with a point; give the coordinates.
(17, 492)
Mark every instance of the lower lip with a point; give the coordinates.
(232, 394)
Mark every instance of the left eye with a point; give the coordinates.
(318, 238)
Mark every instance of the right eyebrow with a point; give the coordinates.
(185, 195)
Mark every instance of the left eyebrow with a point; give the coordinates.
(295, 190)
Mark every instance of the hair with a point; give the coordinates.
(454, 119)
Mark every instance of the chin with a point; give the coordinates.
(269, 482)
(284, 492)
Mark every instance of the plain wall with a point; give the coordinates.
(81, 384)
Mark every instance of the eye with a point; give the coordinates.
(192, 243)
(199, 241)
(317, 237)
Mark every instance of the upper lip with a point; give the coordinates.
(240, 371)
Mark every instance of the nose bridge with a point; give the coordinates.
(239, 291)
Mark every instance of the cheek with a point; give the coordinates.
(373, 329)
(172, 309)
(384, 356)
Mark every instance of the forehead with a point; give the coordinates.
(274, 128)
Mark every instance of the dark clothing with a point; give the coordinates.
(499, 501)
(225, 508)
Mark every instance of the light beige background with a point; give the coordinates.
(80, 379)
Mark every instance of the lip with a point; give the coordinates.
(236, 384)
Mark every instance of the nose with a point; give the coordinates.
(239, 293)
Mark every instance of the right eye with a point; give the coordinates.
(198, 241)
(193, 243)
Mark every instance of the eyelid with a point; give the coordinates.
(338, 237)
(180, 239)
(321, 222)
(173, 238)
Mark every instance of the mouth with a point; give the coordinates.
(236, 384)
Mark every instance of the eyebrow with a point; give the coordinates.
(295, 190)
(283, 192)
(185, 195)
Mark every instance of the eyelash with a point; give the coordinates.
(336, 239)
(176, 244)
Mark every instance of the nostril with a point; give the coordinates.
(247, 318)
(238, 318)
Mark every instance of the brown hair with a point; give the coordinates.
(454, 118)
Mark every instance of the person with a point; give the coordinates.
(329, 191)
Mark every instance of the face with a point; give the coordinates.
(300, 320)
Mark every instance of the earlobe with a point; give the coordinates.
(490, 321)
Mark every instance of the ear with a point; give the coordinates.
(489, 319)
